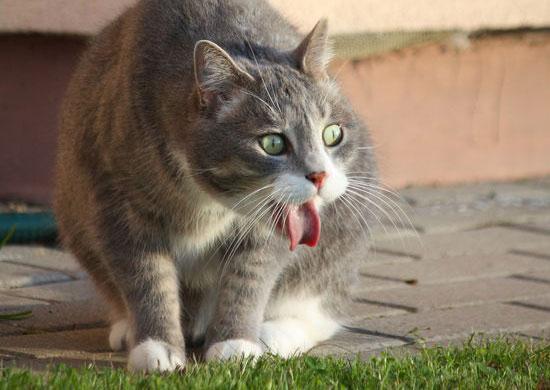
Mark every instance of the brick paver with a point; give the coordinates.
(10, 302)
(70, 291)
(425, 297)
(15, 275)
(450, 269)
(480, 263)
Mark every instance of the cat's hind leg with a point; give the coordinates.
(295, 324)
(120, 336)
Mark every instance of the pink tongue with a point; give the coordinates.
(303, 225)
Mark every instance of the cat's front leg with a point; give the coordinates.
(150, 286)
(243, 293)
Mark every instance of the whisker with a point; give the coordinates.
(356, 192)
(347, 203)
(260, 73)
(263, 208)
(260, 99)
(249, 195)
(231, 238)
(376, 192)
(276, 215)
(373, 184)
(362, 193)
(356, 202)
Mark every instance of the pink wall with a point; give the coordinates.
(437, 114)
(442, 115)
(34, 71)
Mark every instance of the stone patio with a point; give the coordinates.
(480, 262)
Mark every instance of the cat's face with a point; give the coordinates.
(295, 140)
(277, 149)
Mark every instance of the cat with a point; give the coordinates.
(202, 145)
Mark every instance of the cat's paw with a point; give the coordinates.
(153, 355)
(285, 337)
(120, 335)
(234, 348)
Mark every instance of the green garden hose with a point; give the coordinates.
(28, 227)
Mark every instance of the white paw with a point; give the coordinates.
(152, 355)
(119, 337)
(285, 337)
(238, 348)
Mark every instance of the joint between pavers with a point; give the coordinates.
(532, 254)
(31, 330)
(375, 333)
(526, 228)
(392, 252)
(30, 265)
(488, 332)
(49, 301)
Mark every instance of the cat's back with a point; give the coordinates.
(155, 39)
(221, 21)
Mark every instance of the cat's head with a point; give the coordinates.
(276, 138)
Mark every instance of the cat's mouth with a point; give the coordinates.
(301, 224)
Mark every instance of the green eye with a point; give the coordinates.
(332, 135)
(273, 144)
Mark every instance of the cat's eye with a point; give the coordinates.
(273, 144)
(332, 135)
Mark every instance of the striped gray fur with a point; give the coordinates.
(156, 151)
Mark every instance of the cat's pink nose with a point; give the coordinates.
(317, 178)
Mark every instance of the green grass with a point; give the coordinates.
(484, 364)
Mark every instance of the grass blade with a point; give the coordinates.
(15, 316)
(7, 237)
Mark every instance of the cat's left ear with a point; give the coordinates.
(314, 53)
(216, 73)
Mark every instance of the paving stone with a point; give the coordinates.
(9, 303)
(539, 183)
(374, 256)
(364, 309)
(450, 209)
(491, 279)
(39, 256)
(541, 303)
(75, 360)
(80, 290)
(389, 232)
(7, 328)
(537, 333)
(531, 249)
(479, 242)
(540, 226)
(431, 220)
(480, 195)
(447, 269)
(454, 294)
(351, 341)
(51, 343)
(60, 316)
(74, 348)
(460, 322)
(15, 275)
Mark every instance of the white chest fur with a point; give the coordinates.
(204, 226)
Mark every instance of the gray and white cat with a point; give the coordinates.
(201, 143)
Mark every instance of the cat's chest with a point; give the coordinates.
(200, 236)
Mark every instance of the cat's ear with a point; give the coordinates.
(216, 73)
(314, 53)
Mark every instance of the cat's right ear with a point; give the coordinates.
(216, 73)
(314, 53)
